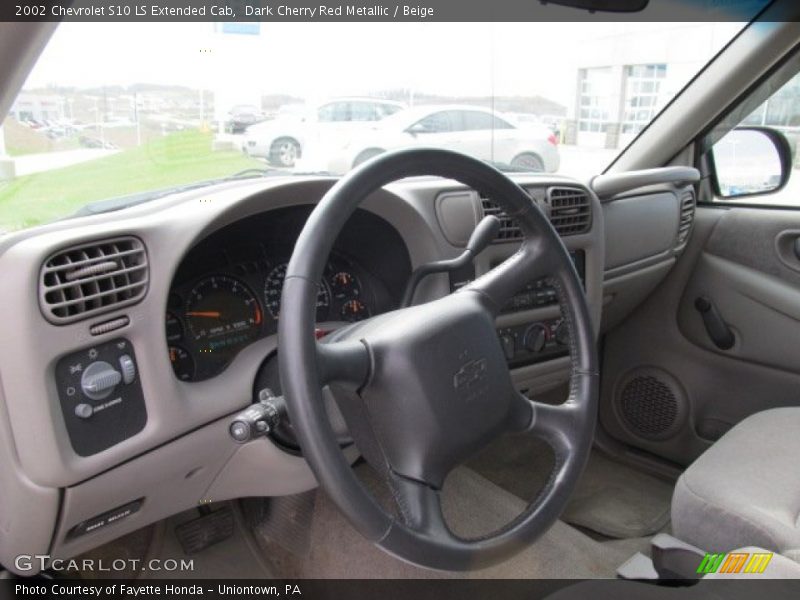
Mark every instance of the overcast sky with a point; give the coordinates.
(325, 59)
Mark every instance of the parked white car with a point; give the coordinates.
(282, 140)
(472, 130)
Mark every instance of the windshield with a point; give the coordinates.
(104, 114)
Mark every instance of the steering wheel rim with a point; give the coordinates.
(374, 358)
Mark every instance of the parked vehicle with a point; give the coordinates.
(282, 141)
(243, 116)
(474, 130)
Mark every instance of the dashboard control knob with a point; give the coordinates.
(128, 368)
(535, 338)
(84, 411)
(99, 380)
(507, 342)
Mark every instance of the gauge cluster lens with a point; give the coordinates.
(273, 288)
(222, 315)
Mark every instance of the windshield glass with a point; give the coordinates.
(104, 115)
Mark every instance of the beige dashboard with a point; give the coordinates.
(176, 451)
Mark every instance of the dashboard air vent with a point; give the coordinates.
(570, 210)
(687, 216)
(93, 278)
(509, 229)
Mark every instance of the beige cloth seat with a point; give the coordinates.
(745, 489)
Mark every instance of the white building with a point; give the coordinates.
(633, 73)
(38, 107)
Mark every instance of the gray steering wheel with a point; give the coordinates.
(429, 384)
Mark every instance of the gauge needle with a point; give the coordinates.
(211, 314)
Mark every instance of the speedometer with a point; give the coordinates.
(222, 315)
(273, 287)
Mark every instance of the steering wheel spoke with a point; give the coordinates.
(420, 507)
(532, 262)
(343, 362)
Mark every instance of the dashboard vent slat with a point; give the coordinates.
(509, 229)
(90, 279)
(570, 210)
(570, 214)
(687, 216)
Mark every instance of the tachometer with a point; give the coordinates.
(273, 287)
(222, 314)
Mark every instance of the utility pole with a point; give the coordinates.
(136, 118)
(7, 170)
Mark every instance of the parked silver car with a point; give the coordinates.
(474, 130)
(282, 140)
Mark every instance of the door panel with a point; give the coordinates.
(667, 388)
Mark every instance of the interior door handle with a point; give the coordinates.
(717, 329)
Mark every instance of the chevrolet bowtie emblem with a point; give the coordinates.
(469, 374)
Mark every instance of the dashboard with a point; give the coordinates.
(227, 290)
(140, 334)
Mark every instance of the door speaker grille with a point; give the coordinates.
(651, 404)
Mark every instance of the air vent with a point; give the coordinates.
(570, 210)
(687, 216)
(93, 278)
(509, 229)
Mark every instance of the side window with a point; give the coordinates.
(752, 153)
(499, 123)
(363, 111)
(384, 110)
(477, 121)
(334, 112)
(438, 122)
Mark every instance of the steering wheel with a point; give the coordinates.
(430, 384)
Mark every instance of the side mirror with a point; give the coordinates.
(416, 129)
(750, 161)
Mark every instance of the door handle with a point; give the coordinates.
(717, 329)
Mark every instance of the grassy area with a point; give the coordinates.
(178, 158)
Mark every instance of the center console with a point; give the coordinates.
(536, 340)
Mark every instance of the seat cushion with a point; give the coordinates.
(745, 489)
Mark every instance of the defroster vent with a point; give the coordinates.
(93, 278)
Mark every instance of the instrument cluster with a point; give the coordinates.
(214, 315)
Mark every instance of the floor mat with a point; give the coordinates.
(619, 501)
(612, 499)
(472, 505)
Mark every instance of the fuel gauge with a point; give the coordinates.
(182, 363)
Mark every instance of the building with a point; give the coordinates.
(38, 107)
(633, 73)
